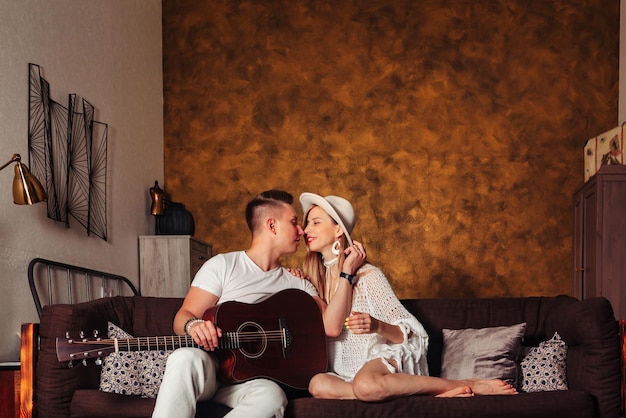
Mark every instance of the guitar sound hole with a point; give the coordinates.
(252, 339)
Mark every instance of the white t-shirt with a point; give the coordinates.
(235, 277)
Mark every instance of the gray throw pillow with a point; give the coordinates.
(486, 353)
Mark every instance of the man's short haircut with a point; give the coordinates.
(268, 199)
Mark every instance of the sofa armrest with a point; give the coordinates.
(57, 381)
(591, 332)
(29, 346)
(622, 338)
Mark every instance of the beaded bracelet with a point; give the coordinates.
(189, 323)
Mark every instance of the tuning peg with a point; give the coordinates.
(84, 362)
(67, 335)
(95, 333)
(99, 361)
(82, 334)
(70, 364)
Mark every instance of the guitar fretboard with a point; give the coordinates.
(168, 342)
(230, 340)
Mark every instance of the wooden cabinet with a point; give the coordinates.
(599, 242)
(9, 390)
(168, 263)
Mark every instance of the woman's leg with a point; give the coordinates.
(374, 383)
(489, 386)
(328, 386)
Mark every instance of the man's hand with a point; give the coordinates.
(298, 273)
(205, 334)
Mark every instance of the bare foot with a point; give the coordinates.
(457, 392)
(490, 387)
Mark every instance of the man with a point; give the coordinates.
(245, 276)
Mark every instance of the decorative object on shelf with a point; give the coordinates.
(68, 150)
(171, 217)
(175, 221)
(604, 149)
(158, 200)
(27, 190)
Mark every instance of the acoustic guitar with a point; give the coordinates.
(280, 338)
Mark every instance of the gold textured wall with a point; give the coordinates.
(456, 128)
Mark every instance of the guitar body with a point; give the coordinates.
(281, 338)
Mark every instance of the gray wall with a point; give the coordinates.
(110, 53)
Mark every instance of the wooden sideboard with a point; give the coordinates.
(168, 263)
(599, 242)
(9, 390)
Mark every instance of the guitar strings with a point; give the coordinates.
(187, 340)
(239, 336)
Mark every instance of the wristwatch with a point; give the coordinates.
(351, 278)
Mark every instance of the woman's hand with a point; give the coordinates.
(355, 257)
(361, 323)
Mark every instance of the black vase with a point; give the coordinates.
(175, 221)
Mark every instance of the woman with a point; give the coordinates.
(379, 351)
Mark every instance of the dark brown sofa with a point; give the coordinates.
(588, 328)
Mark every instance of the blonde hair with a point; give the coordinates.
(313, 266)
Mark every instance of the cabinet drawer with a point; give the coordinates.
(199, 247)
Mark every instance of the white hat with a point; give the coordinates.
(336, 207)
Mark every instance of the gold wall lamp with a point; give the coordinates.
(27, 190)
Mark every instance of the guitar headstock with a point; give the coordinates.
(81, 349)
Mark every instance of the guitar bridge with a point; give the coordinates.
(285, 337)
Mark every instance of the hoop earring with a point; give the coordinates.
(336, 249)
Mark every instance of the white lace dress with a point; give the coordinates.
(349, 352)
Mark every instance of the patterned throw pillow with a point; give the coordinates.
(543, 368)
(132, 372)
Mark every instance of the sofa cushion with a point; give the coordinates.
(567, 403)
(488, 353)
(93, 403)
(153, 316)
(543, 368)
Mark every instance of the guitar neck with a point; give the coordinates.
(168, 342)
(84, 348)
(230, 340)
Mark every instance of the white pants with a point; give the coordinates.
(190, 376)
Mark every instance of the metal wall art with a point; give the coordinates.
(69, 150)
